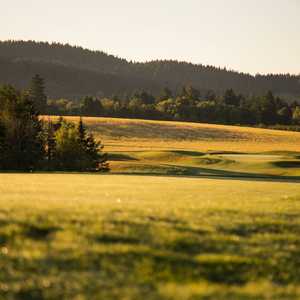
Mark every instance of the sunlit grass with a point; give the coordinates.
(81, 236)
(90, 236)
(193, 163)
(130, 134)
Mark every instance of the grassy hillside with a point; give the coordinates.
(191, 149)
(130, 135)
(131, 237)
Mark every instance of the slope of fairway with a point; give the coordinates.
(136, 237)
(193, 163)
(129, 135)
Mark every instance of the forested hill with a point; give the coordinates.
(74, 71)
(63, 81)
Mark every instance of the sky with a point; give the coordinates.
(253, 36)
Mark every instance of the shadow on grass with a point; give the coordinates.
(168, 170)
(116, 239)
(30, 294)
(204, 245)
(249, 229)
(225, 174)
(188, 153)
(4, 238)
(167, 220)
(286, 164)
(3, 223)
(181, 172)
(161, 267)
(227, 153)
(120, 157)
(40, 232)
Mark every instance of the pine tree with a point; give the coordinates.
(2, 143)
(37, 94)
(166, 94)
(92, 158)
(50, 145)
(296, 115)
(24, 133)
(81, 131)
(230, 98)
(91, 106)
(98, 160)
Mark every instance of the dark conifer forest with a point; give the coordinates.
(74, 72)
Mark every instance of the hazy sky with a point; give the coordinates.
(246, 35)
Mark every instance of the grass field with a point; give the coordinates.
(189, 211)
(80, 236)
(130, 135)
(192, 149)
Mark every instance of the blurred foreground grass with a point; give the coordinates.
(128, 237)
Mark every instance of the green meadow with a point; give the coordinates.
(89, 236)
(213, 216)
(272, 165)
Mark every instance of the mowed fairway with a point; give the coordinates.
(81, 236)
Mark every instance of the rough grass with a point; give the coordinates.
(80, 236)
(129, 135)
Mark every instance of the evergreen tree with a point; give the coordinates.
(23, 140)
(192, 93)
(166, 94)
(268, 109)
(91, 106)
(37, 94)
(81, 132)
(210, 95)
(92, 157)
(183, 93)
(144, 97)
(284, 115)
(230, 98)
(2, 143)
(296, 115)
(50, 145)
(189, 92)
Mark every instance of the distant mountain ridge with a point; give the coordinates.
(72, 72)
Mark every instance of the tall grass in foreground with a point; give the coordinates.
(117, 237)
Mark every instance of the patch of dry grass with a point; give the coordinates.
(131, 134)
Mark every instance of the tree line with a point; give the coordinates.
(188, 105)
(29, 143)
